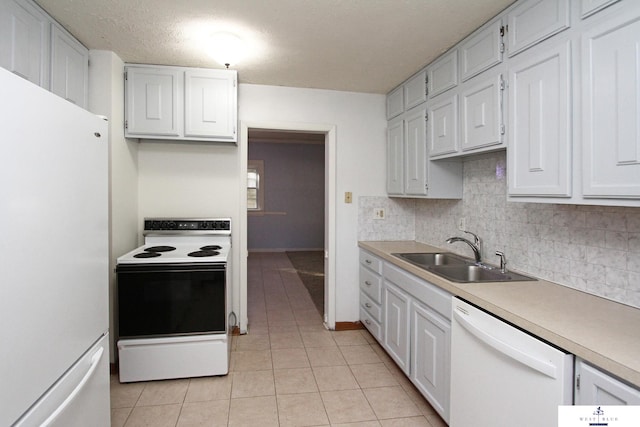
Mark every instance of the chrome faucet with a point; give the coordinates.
(475, 246)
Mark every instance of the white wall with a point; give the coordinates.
(106, 97)
(189, 179)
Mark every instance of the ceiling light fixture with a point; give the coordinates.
(226, 48)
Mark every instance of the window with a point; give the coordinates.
(255, 185)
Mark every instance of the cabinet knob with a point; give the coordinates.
(366, 304)
(367, 321)
(368, 261)
(368, 283)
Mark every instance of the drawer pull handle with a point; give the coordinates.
(368, 283)
(367, 321)
(368, 261)
(366, 304)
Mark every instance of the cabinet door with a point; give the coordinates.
(481, 51)
(611, 109)
(210, 105)
(415, 90)
(481, 113)
(69, 67)
(395, 157)
(443, 125)
(443, 73)
(589, 7)
(24, 41)
(152, 102)
(539, 153)
(430, 364)
(594, 387)
(396, 325)
(535, 20)
(415, 159)
(395, 102)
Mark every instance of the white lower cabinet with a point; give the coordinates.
(396, 325)
(596, 387)
(430, 356)
(417, 333)
(371, 294)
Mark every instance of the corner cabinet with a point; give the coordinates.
(181, 103)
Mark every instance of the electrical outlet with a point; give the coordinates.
(378, 213)
(462, 224)
(348, 197)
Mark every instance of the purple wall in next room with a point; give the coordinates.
(294, 197)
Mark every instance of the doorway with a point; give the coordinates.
(288, 133)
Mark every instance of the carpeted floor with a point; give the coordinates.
(310, 268)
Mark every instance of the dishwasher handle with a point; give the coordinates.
(534, 363)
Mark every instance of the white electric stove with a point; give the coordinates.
(174, 301)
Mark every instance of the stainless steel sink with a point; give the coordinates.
(429, 259)
(474, 273)
(459, 269)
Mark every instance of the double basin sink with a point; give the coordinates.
(460, 269)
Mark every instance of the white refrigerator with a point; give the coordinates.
(54, 352)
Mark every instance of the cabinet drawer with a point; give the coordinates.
(371, 262)
(370, 306)
(425, 292)
(370, 323)
(371, 284)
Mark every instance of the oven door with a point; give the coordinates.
(157, 300)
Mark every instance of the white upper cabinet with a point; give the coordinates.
(539, 152)
(481, 51)
(24, 41)
(181, 103)
(532, 21)
(443, 125)
(152, 101)
(395, 157)
(210, 104)
(395, 103)
(481, 113)
(611, 108)
(443, 73)
(415, 90)
(69, 67)
(589, 7)
(415, 153)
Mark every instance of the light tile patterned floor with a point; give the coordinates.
(287, 371)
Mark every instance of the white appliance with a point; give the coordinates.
(502, 376)
(54, 252)
(174, 301)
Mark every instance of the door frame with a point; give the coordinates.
(329, 131)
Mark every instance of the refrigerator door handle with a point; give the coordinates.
(537, 364)
(95, 360)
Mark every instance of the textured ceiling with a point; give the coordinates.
(352, 45)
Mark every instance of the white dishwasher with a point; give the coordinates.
(502, 376)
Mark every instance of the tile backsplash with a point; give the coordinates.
(591, 248)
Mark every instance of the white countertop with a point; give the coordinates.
(602, 332)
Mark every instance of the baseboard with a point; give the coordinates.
(349, 326)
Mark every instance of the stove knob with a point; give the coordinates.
(172, 225)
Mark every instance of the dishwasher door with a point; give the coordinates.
(502, 376)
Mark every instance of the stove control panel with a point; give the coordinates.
(176, 224)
